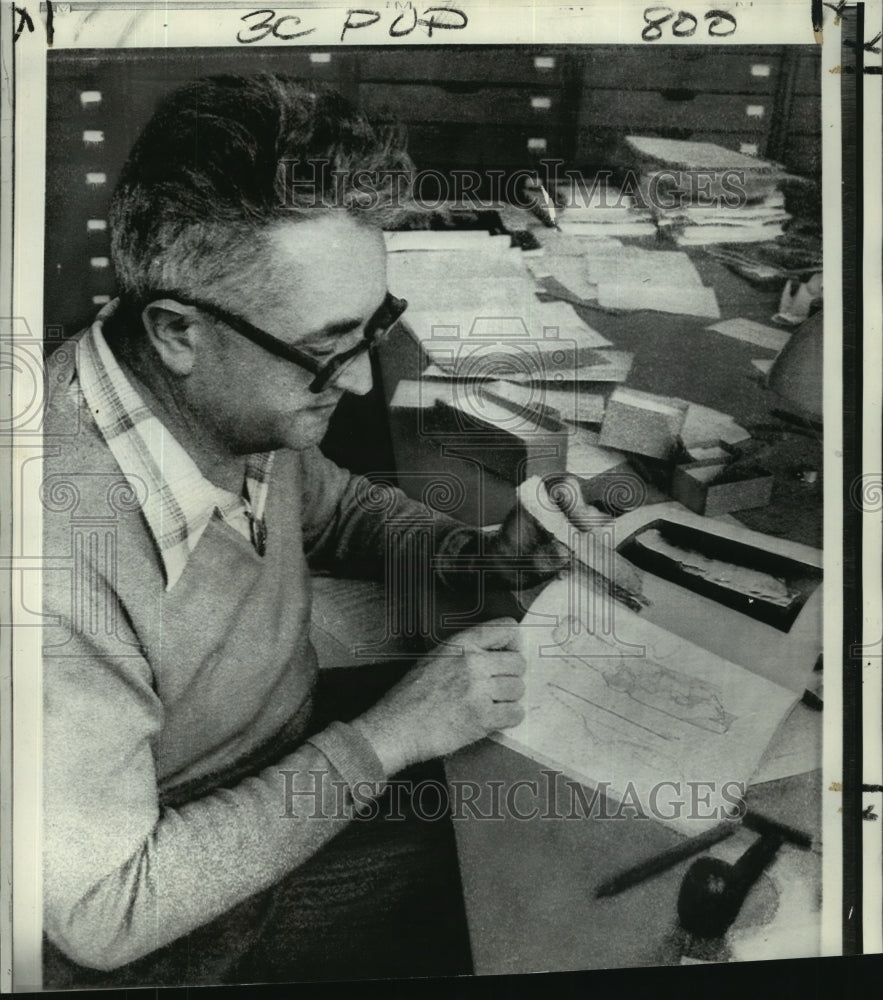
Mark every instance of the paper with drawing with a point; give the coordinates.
(620, 703)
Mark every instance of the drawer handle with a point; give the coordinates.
(675, 94)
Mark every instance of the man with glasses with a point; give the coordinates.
(194, 830)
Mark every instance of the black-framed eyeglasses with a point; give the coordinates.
(378, 327)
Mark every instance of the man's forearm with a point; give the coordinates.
(202, 858)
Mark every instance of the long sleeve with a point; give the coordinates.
(349, 520)
(122, 876)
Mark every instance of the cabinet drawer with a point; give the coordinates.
(482, 64)
(803, 155)
(119, 68)
(659, 112)
(808, 79)
(806, 115)
(423, 103)
(475, 147)
(678, 67)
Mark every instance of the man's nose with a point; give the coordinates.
(356, 377)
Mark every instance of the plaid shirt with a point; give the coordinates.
(176, 499)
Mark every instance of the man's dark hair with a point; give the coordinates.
(214, 168)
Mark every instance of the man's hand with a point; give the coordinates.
(522, 553)
(450, 701)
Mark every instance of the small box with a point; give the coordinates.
(643, 423)
(512, 454)
(511, 441)
(693, 485)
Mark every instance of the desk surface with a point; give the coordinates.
(529, 884)
(673, 355)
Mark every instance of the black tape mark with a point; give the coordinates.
(870, 46)
(839, 11)
(50, 23)
(817, 15)
(869, 814)
(872, 788)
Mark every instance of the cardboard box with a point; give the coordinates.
(643, 423)
(693, 485)
(781, 643)
(511, 441)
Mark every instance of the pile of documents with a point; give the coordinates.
(701, 193)
(526, 380)
(622, 278)
(475, 314)
(602, 211)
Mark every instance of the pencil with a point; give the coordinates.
(550, 207)
(667, 859)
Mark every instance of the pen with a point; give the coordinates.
(667, 859)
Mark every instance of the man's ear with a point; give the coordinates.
(171, 329)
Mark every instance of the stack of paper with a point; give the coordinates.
(737, 201)
(627, 278)
(422, 278)
(664, 281)
(601, 211)
(526, 362)
(416, 240)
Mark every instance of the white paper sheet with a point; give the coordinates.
(753, 333)
(626, 706)
(439, 240)
(659, 268)
(680, 300)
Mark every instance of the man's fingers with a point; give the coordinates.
(507, 689)
(506, 714)
(553, 557)
(499, 633)
(497, 663)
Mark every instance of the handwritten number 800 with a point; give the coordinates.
(685, 23)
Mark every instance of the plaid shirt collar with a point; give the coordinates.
(176, 499)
